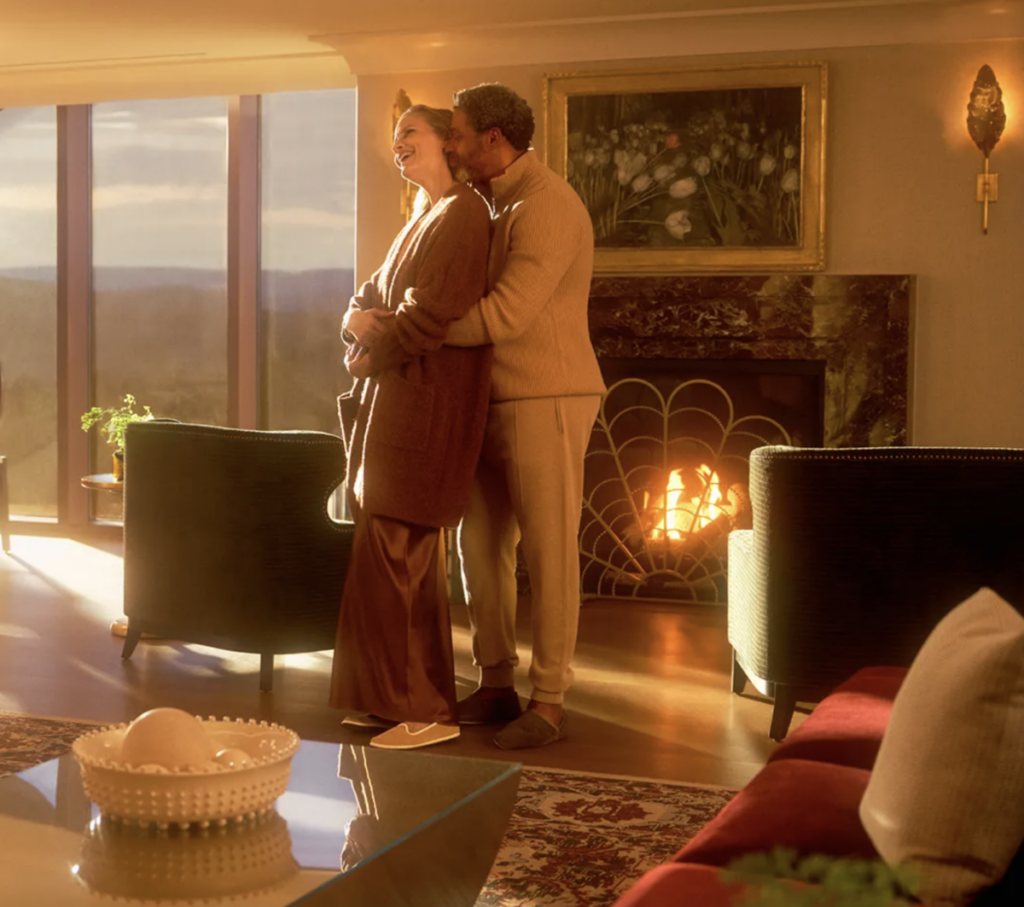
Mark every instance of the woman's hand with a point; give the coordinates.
(368, 326)
(358, 363)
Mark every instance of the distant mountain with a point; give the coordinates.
(146, 314)
(40, 273)
(295, 290)
(150, 278)
(324, 290)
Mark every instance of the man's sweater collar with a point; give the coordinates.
(516, 174)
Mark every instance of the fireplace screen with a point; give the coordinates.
(667, 468)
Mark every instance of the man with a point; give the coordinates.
(546, 389)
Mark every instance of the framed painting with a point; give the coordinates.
(696, 170)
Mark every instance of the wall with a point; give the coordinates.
(900, 199)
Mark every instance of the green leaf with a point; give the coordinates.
(116, 420)
(830, 881)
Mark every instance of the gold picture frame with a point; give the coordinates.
(695, 170)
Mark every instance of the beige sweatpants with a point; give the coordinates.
(529, 481)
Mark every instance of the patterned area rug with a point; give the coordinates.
(27, 741)
(578, 840)
(574, 840)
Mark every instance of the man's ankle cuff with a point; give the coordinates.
(500, 676)
(548, 698)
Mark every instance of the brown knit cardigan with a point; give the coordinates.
(413, 431)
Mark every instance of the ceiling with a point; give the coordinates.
(66, 51)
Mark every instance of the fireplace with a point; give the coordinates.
(701, 371)
(666, 471)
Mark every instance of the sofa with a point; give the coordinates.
(807, 798)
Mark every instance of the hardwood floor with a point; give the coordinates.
(651, 697)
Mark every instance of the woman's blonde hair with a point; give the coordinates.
(439, 119)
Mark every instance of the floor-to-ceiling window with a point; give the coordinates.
(28, 307)
(160, 256)
(150, 294)
(307, 246)
(159, 200)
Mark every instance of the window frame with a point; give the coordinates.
(74, 303)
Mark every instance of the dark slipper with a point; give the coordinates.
(528, 731)
(490, 705)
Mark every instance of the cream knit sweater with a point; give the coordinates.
(539, 271)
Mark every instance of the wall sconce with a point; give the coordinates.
(986, 119)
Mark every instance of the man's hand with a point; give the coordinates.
(358, 363)
(368, 326)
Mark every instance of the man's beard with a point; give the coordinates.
(460, 172)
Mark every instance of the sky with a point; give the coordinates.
(160, 183)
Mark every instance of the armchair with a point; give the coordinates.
(227, 538)
(856, 554)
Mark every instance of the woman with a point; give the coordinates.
(413, 426)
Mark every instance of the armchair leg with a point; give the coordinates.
(266, 671)
(782, 714)
(739, 676)
(5, 508)
(131, 640)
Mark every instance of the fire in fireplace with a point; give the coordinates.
(687, 505)
(666, 472)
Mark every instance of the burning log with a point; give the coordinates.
(737, 505)
(690, 500)
(702, 542)
(691, 516)
(699, 543)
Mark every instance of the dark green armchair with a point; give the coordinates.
(228, 541)
(856, 554)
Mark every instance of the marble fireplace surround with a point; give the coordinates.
(860, 326)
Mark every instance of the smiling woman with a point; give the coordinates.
(413, 426)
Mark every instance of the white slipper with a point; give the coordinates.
(367, 722)
(402, 738)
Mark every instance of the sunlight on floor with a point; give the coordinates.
(12, 631)
(104, 677)
(687, 710)
(94, 577)
(307, 661)
(9, 703)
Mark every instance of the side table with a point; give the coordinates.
(103, 481)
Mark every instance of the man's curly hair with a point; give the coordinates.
(493, 105)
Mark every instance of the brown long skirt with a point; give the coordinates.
(393, 656)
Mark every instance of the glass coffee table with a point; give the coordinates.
(357, 827)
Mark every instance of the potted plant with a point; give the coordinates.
(780, 878)
(115, 420)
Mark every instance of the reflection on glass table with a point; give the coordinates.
(120, 861)
(355, 827)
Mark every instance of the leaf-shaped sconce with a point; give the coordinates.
(986, 115)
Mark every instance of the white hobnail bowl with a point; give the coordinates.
(149, 795)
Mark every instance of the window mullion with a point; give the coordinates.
(243, 260)
(74, 287)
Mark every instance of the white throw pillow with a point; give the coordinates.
(946, 796)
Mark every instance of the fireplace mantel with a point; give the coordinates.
(859, 325)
